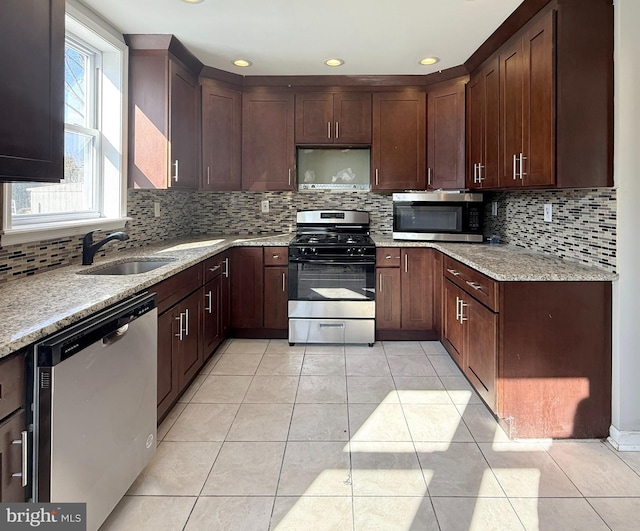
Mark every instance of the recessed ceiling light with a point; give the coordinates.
(429, 61)
(334, 62)
(242, 62)
(193, 1)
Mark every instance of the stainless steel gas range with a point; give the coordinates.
(332, 262)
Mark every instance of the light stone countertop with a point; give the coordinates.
(35, 307)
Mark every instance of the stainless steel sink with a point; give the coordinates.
(133, 266)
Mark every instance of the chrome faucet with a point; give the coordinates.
(89, 249)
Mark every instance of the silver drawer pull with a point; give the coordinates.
(454, 272)
(25, 456)
(474, 285)
(214, 268)
(331, 325)
(275, 256)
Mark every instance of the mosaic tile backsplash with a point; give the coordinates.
(583, 227)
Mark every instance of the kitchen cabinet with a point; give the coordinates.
(212, 309)
(276, 287)
(398, 149)
(404, 293)
(333, 118)
(527, 112)
(12, 427)
(483, 127)
(164, 118)
(225, 294)
(32, 91)
(538, 353)
(247, 288)
(180, 314)
(268, 149)
(445, 136)
(221, 137)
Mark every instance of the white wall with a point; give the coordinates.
(625, 429)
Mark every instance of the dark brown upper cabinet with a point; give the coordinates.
(221, 137)
(445, 136)
(342, 118)
(483, 127)
(399, 141)
(268, 150)
(164, 119)
(32, 91)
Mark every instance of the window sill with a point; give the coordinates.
(59, 230)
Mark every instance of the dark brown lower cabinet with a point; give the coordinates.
(168, 387)
(453, 335)
(276, 281)
(247, 288)
(211, 316)
(388, 298)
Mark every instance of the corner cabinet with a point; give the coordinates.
(221, 137)
(268, 150)
(164, 118)
(32, 91)
(342, 118)
(445, 136)
(538, 353)
(398, 148)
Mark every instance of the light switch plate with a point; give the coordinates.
(548, 213)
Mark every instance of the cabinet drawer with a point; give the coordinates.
(177, 287)
(473, 282)
(212, 268)
(11, 385)
(388, 256)
(276, 256)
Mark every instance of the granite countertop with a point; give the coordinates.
(35, 307)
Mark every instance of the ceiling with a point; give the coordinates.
(294, 37)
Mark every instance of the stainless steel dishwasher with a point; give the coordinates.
(94, 407)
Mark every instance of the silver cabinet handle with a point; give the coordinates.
(380, 282)
(284, 282)
(180, 323)
(23, 474)
(175, 174)
(208, 174)
(515, 173)
(522, 159)
(289, 176)
(275, 256)
(458, 301)
(337, 131)
(329, 130)
(377, 177)
(429, 176)
(480, 177)
(214, 268)
(475, 173)
(474, 285)
(454, 272)
(406, 263)
(387, 257)
(186, 321)
(209, 297)
(462, 306)
(226, 268)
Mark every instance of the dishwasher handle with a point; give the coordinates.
(115, 336)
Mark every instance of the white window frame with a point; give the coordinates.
(111, 118)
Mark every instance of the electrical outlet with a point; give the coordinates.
(548, 213)
(156, 209)
(264, 206)
(494, 208)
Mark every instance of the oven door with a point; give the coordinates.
(331, 288)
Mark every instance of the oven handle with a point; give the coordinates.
(332, 262)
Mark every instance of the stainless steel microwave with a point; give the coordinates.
(437, 216)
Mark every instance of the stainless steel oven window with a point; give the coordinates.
(320, 281)
(427, 218)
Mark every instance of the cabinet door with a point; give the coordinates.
(388, 298)
(437, 263)
(276, 282)
(352, 118)
(221, 138)
(189, 351)
(445, 137)
(268, 149)
(453, 329)
(11, 489)
(225, 294)
(184, 121)
(481, 349)
(417, 289)
(32, 90)
(314, 118)
(511, 89)
(399, 141)
(247, 288)
(475, 127)
(211, 325)
(538, 103)
(167, 360)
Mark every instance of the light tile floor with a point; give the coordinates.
(347, 437)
